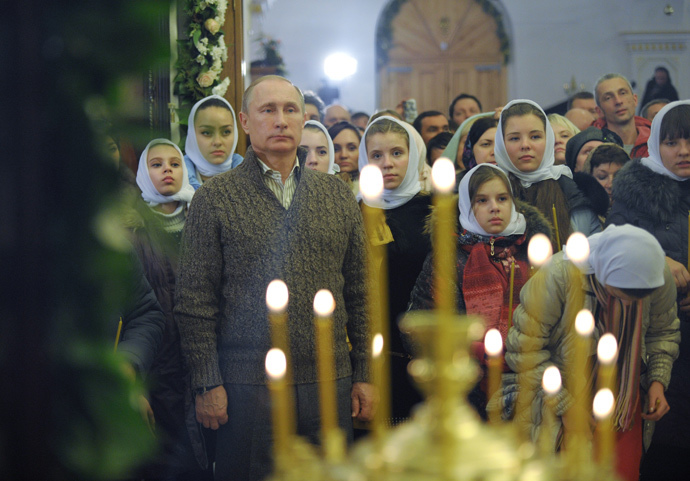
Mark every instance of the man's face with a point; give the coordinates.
(335, 114)
(463, 109)
(432, 126)
(312, 112)
(587, 104)
(616, 101)
(275, 118)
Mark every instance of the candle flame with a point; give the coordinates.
(371, 182)
(584, 322)
(607, 348)
(377, 345)
(551, 382)
(324, 304)
(277, 296)
(443, 175)
(539, 250)
(493, 343)
(276, 364)
(602, 406)
(577, 248)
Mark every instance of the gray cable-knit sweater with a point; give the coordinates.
(237, 239)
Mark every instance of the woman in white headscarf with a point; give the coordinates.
(211, 139)
(319, 145)
(494, 233)
(653, 193)
(630, 296)
(524, 148)
(392, 145)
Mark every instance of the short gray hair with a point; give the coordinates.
(606, 77)
(247, 96)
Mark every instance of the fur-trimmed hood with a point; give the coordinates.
(536, 222)
(641, 189)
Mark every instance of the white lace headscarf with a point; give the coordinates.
(332, 166)
(410, 186)
(546, 169)
(468, 221)
(653, 161)
(148, 191)
(191, 147)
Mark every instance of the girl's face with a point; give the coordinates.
(390, 153)
(675, 155)
(492, 206)
(562, 135)
(346, 147)
(215, 133)
(317, 147)
(525, 140)
(165, 169)
(605, 174)
(483, 150)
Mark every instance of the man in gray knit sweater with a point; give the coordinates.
(270, 218)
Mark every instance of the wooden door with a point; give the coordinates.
(439, 49)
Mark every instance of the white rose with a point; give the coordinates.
(206, 79)
(212, 26)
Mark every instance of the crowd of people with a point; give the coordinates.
(213, 228)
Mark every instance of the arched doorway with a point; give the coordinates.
(432, 50)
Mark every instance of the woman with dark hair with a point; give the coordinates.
(654, 194)
(398, 150)
(659, 87)
(461, 108)
(479, 146)
(603, 163)
(211, 140)
(525, 148)
(346, 139)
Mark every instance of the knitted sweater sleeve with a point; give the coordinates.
(355, 295)
(198, 292)
(662, 338)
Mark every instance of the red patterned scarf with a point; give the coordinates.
(623, 320)
(486, 281)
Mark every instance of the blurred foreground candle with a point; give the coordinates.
(277, 297)
(555, 228)
(510, 294)
(607, 352)
(275, 368)
(378, 233)
(377, 378)
(603, 412)
(445, 258)
(539, 250)
(332, 439)
(551, 383)
(493, 346)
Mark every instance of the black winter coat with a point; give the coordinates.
(660, 205)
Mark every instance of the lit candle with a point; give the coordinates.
(332, 439)
(276, 366)
(493, 346)
(539, 250)
(603, 410)
(551, 383)
(277, 297)
(607, 353)
(377, 376)
(510, 294)
(445, 273)
(371, 188)
(555, 228)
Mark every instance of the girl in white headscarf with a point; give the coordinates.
(494, 232)
(156, 233)
(211, 139)
(392, 145)
(320, 154)
(524, 148)
(654, 194)
(162, 178)
(631, 294)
